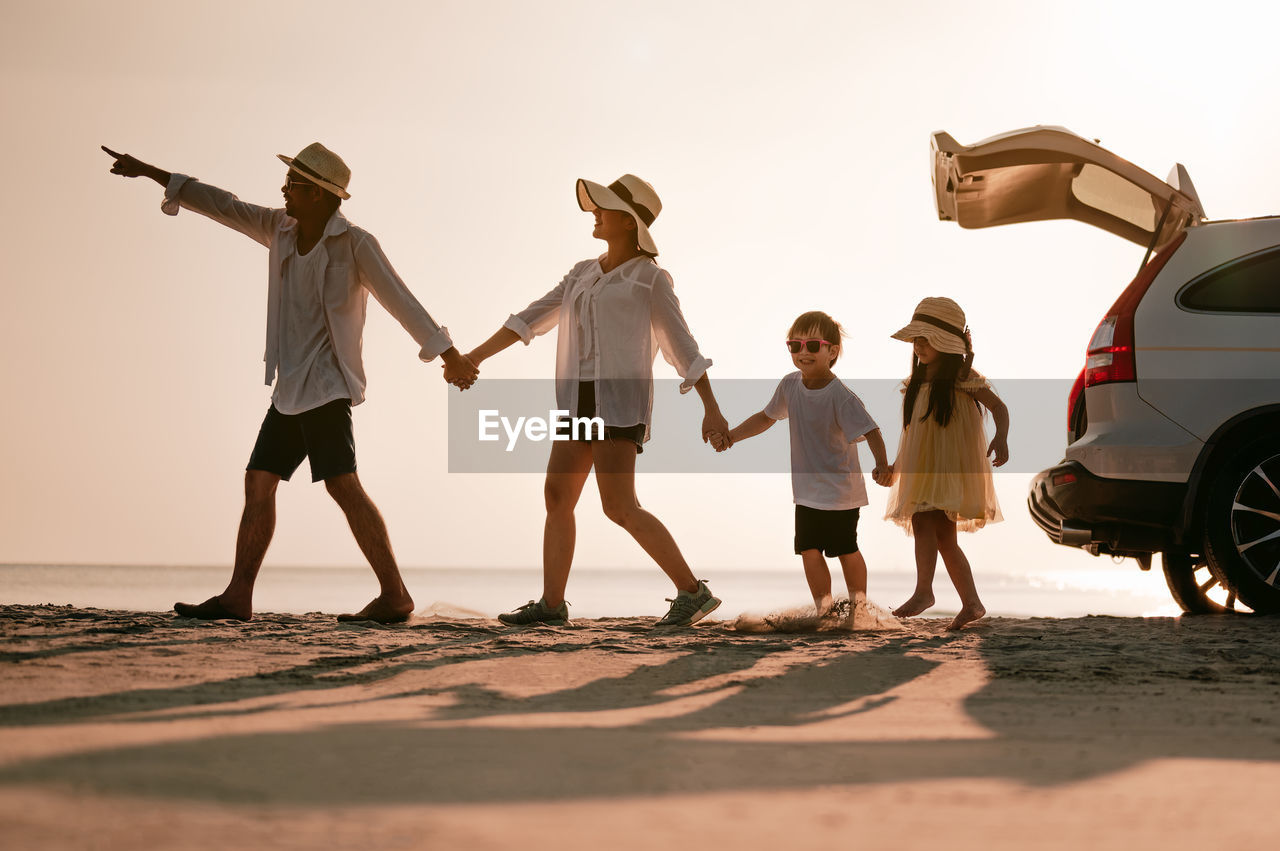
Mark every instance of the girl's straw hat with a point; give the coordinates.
(628, 194)
(321, 166)
(941, 322)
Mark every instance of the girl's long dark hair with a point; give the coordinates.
(942, 390)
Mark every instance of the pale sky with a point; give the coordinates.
(789, 143)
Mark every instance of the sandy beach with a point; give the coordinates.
(128, 730)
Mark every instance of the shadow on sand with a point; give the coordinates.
(1061, 701)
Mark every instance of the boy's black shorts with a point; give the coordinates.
(323, 434)
(833, 532)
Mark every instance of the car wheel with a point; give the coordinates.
(1242, 525)
(1195, 588)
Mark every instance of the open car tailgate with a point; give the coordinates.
(1044, 173)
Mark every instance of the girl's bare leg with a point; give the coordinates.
(971, 608)
(924, 526)
(819, 578)
(567, 472)
(615, 463)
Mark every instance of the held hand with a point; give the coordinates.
(459, 370)
(1000, 449)
(882, 475)
(719, 441)
(125, 165)
(714, 423)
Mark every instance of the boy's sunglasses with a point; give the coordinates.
(812, 346)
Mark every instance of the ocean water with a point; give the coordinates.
(594, 592)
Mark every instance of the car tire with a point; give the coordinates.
(1242, 524)
(1192, 583)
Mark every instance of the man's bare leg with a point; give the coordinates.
(393, 603)
(257, 525)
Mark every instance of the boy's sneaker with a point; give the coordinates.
(537, 611)
(690, 607)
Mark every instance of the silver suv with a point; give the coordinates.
(1173, 442)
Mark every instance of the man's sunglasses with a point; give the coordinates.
(794, 346)
(290, 181)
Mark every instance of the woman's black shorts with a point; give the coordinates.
(587, 408)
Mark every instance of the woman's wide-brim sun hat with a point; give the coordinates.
(628, 194)
(940, 321)
(322, 167)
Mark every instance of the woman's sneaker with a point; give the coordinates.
(687, 608)
(537, 611)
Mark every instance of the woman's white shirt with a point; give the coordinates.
(618, 320)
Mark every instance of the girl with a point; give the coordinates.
(611, 310)
(827, 420)
(941, 477)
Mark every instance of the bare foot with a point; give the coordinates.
(212, 609)
(381, 610)
(968, 615)
(914, 606)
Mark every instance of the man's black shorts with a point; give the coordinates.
(322, 434)
(833, 532)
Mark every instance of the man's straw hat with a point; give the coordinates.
(322, 167)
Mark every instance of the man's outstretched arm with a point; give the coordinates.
(254, 221)
(127, 166)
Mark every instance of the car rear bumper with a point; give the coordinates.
(1125, 517)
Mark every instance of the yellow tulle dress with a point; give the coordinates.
(945, 467)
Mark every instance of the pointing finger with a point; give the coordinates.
(111, 152)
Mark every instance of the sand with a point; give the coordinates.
(127, 730)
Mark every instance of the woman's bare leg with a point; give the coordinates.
(567, 471)
(615, 464)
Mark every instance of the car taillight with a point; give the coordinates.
(1111, 351)
(1073, 399)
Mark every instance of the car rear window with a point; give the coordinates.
(1245, 285)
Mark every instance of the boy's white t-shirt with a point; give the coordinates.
(825, 425)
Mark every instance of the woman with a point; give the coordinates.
(610, 311)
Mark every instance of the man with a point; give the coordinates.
(322, 269)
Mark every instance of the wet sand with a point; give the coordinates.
(128, 730)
